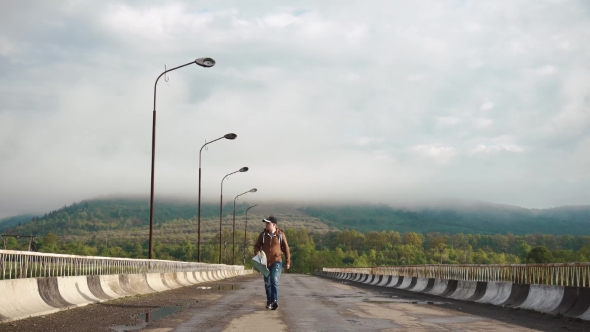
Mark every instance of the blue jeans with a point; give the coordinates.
(271, 283)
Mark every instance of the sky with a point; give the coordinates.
(392, 102)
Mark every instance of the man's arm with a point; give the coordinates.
(286, 251)
(258, 244)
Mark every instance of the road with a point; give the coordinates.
(307, 303)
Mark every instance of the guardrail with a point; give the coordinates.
(25, 264)
(565, 274)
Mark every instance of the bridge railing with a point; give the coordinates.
(562, 274)
(26, 264)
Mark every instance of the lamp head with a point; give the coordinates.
(244, 169)
(230, 136)
(253, 190)
(205, 62)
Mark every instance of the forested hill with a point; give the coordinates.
(483, 218)
(111, 214)
(13, 221)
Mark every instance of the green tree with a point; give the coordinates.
(413, 239)
(49, 243)
(539, 254)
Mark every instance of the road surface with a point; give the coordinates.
(306, 303)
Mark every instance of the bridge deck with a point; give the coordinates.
(307, 303)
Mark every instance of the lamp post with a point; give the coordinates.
(245, 231)
(233, 246)
(230, 136)
(203, 62)
(243, 169)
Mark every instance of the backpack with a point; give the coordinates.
(280, 239)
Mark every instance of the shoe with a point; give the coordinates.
(274, 305)
(268, 304)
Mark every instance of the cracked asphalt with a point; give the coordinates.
(306, 303)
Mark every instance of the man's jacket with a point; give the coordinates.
(273, 246)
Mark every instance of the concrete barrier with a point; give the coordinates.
(110, 285)
(496, 293)
(518, 294)
(567, 301)
(155, 282)
(199, 277)
(581, 307)
(181, 278)
(480, 290)
(20, 299)
(394, 281)
(384, 281)
(412, 284)
(543, 298)
(400, 281)
(377, 279)
(49, 292)
(421, 284)
(190, 276)
(135, 284)
(429, 285)
(96, 289)
(439, 287)
(75, 290)
(464, 290)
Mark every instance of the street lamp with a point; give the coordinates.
(243, 169)
(203, 62)
(233, 246)
(230, 136)
(245, 231)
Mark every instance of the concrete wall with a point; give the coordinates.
(567, 301)
(22, 298)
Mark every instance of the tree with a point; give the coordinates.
(413, 239)
(49, 243)
(539, 254)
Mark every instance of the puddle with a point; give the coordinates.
(148, 317)
(228, 287)
(221, 287)
(402, 301)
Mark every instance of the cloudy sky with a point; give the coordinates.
(385, 101)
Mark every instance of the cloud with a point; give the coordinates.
(488, 105)
(467, 96)
(448, 120)
(441, 154)
(493, 149)
(369, 141)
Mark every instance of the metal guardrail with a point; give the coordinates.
(24, 264)
(566, 274)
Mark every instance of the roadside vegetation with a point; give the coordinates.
(118, 228)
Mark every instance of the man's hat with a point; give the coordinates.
(270, 219)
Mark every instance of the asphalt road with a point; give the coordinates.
(306, 303)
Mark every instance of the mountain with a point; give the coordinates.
(114, 214)
(119, 216)
(6, 223)
(174, 219)
(474, 218)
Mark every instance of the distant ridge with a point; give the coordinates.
(474, 217)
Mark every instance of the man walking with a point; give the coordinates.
(274, 243)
